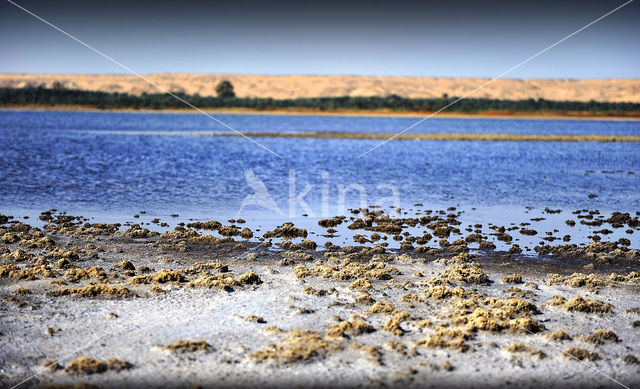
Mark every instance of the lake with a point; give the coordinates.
(103, 165)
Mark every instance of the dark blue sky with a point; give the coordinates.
(443, 38)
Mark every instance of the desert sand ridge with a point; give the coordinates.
(294, 86)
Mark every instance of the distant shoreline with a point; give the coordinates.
(310, 86)
(312, 112)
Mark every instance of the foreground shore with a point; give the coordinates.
(219, 305)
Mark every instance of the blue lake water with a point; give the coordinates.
(98, 163)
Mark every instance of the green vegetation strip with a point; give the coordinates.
(44, 97)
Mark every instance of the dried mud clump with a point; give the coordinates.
(346, 329)
(392, 324)
(137, 232)
(504, 237)
(361, 285)
(182, 346)
(69, 255)
(576, 280)
(519, 348)
(599, 251)
(558, 336)
(45, 271)
(229, 231)
(291, 256)
(514, 278)
(464, 273)
(19, 255)
(139, 280)
(308, 245)
(394, 319)
(486, 245)
(181, 235)
(453, 333)
(580, 304)
(164, 276)
(250, 278)
(94, 291)
(81, 230)
(326, 223)
(496, 320)
(125, 265)
(380, 307)
(13, 271)
(297, 346)
(286, 231)
(635, 310)
(20, 291)
(512, 306)
(525, 325)
(365, 299)
(580, 354)
(246, 233)
(225, 281)
(315, 292)
(441, 292)
(211, 225)
(85, 365)
(118, 365)
(632, 277)
(348, 270)
(51, 365)
(77, 274)
(410, 298)
(602, 336)
(157, 290)
(372, 352)
(517, 292)
(217, 281)
(556, 300)
(474, 238)
(436, 341)
(217, 266)
(255, 319)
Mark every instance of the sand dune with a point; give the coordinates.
(614, 90)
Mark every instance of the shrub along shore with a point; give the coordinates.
(60, 97)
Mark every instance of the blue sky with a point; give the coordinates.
(406, 38)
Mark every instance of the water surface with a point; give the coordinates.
(84, 162)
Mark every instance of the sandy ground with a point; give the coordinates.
(279, 87)
(437, 330)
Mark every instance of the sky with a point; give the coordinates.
(395, 38)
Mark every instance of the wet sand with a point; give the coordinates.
(218, 304)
